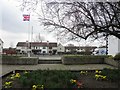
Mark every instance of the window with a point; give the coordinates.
(50, 47)
(44, 52)
(44, 47)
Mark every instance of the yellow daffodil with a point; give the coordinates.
(17, 75)
(104, 77)
(74, 81)
(12, 77)
(34, 87)
(81, 72)
(97, 76)
(71, 80)
(25, 72)
(96, 71)
(42, 86)
(99, 72)
(8, 83)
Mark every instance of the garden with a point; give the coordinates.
(42, 79)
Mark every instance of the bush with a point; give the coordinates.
(83, 59)
(87, 56)
(117, 56)
(112, 74)
(6, 59)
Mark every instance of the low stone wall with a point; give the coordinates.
(111, 62)
(73, 60)
(20, 61)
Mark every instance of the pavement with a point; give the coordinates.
(8, 68)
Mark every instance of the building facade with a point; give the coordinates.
(113, 45)
(1, 46)
(52, 48)
(37, 47)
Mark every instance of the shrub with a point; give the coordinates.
(112, 74)
(117, 56)
(7, 57)
(83, 59)
(86, 56)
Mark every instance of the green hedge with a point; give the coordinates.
(112, 74)
(83, 59)
(17, 60)
(117, 56)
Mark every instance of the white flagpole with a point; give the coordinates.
(29, 38)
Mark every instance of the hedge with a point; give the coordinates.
(17, 60)
(83, 59)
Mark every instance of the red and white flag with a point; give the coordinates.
(26, 17)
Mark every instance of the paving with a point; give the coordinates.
(8, 68)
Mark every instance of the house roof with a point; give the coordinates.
(80, 47)
(46, 44)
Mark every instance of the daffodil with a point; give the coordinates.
(25, 72)
(34, 87)
(71, 80)
(97, 76)
(99, 72)
(8, 84)
(17, 75)
(96, 71)
(104, 77)
(12, 77)
(74, 81)
(83, 72)
(42, 86)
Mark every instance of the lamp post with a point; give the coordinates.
(28, 49)
(106, 44)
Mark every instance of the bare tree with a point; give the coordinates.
(74, 20)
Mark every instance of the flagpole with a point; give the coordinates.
(29, 38)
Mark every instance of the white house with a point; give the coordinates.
(60, 48)
(1, 46)
(113, 45)
(37, 47)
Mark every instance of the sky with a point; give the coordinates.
(13, 29)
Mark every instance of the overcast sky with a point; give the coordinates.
(13, 29)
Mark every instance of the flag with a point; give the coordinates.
(26, 17)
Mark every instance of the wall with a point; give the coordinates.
(119, 45)
(113, 45)
(1, 46)
(60, 48)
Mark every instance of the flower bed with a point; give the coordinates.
(61, 79)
